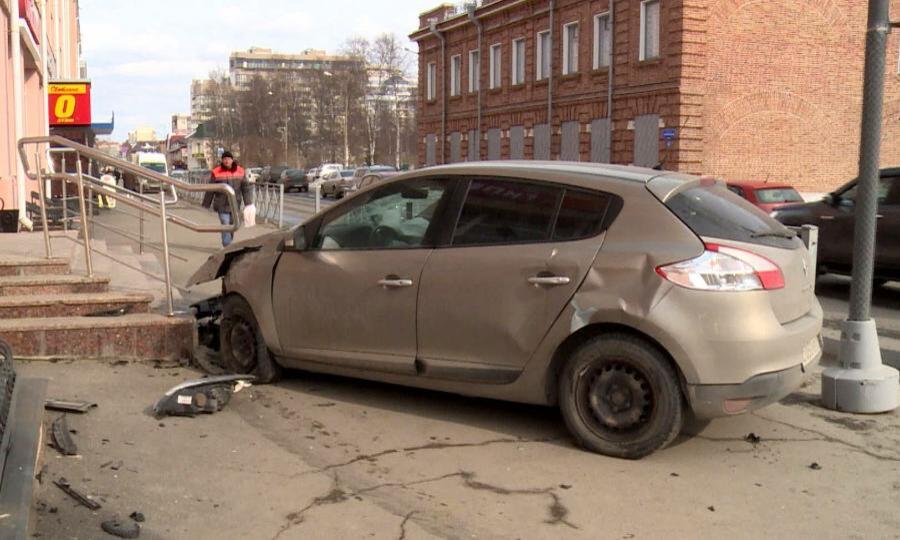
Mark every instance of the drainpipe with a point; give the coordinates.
(550, 80)
(611, 77)
(18, 100)
(434, 30)
(480, 27)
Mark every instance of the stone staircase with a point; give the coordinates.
(48, 312)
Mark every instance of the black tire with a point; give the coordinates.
(241, 343)
(643, 409)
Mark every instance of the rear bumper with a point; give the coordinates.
(714, 400)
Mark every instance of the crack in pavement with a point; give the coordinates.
(403, 525)
(557, 510)
(429, 446)
(831, 439)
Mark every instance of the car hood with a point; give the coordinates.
(217, 264)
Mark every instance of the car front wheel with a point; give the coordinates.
(242, 345)
(620, 396)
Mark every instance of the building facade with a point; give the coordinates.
(244, 65)
(741, 90)
(41, 42)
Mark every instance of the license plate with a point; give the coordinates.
(811, 350)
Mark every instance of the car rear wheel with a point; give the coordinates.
(620, 396)
(242, 345)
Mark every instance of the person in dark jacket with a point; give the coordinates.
(233, 174)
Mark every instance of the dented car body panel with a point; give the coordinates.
(471, 319)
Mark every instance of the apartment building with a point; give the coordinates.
(742, 90)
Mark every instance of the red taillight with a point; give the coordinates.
(725, 268)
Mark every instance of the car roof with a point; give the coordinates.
(511, 167)
(753, 184)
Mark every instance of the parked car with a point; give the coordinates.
(626, 296)
(371, 179)
(312, 175)
(253, 174)
(272, 174)
(337, 186)
(294, 179)
(767, 196)
(835, 217)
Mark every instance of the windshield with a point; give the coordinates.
(157, 167)
(714, 211)
(778, 195)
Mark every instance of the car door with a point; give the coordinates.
(887, 245)
(489, 297)
(350, 297)
(837, 225)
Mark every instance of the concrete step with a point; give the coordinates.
(74, 304)
(51, 284)
(142, 336)
(13, 265)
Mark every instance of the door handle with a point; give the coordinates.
(826, 218)
(549, 280)
(878, 216)
(394, 283)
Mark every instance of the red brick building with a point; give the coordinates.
(744, 89)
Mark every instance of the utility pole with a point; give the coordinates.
(862, 383)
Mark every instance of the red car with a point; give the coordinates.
(767, 196)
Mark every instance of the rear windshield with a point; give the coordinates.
(778, 195)
(713, 211)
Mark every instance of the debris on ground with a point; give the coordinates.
(65, 405)
(753, 438)
(62, 440)
(815, 466)
(67, 488)
(120, 528)
(40, 475)
(711, 508)
(207, 395)
(137, 516)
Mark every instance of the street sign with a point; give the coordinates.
(670, 134)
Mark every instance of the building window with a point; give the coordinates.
(649, 29)
(474, 71)
(542, 55)
(455, 74)
(496, 81)
(570, 48)
(430, 80)
(518, 61)
(602, 41)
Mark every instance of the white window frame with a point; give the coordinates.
(496, 70)
(430, 80)
(455, 74)
(566, 68)
(539, 74)
(643, 35)
(599, 60)
(515, 77)
(474, 70)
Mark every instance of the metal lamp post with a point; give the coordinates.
(862, 383)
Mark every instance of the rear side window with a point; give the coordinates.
(713, 211)
(778, 195)
(581, 215)
(506, 212)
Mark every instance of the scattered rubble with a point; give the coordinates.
(122, 529)
(69, 406)
(207, 395)
(84, 500)
(815, 466)
(753, 438)
(137, 516)
(62, 440)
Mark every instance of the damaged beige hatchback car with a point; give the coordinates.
(628, 297)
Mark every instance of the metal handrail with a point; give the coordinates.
(119, 193)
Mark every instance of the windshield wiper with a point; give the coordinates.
(775, 234)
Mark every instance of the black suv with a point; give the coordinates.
(835, 217)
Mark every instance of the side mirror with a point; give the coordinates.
(829, 199)
(297, 241)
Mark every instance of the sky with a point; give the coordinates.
(141, 56)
